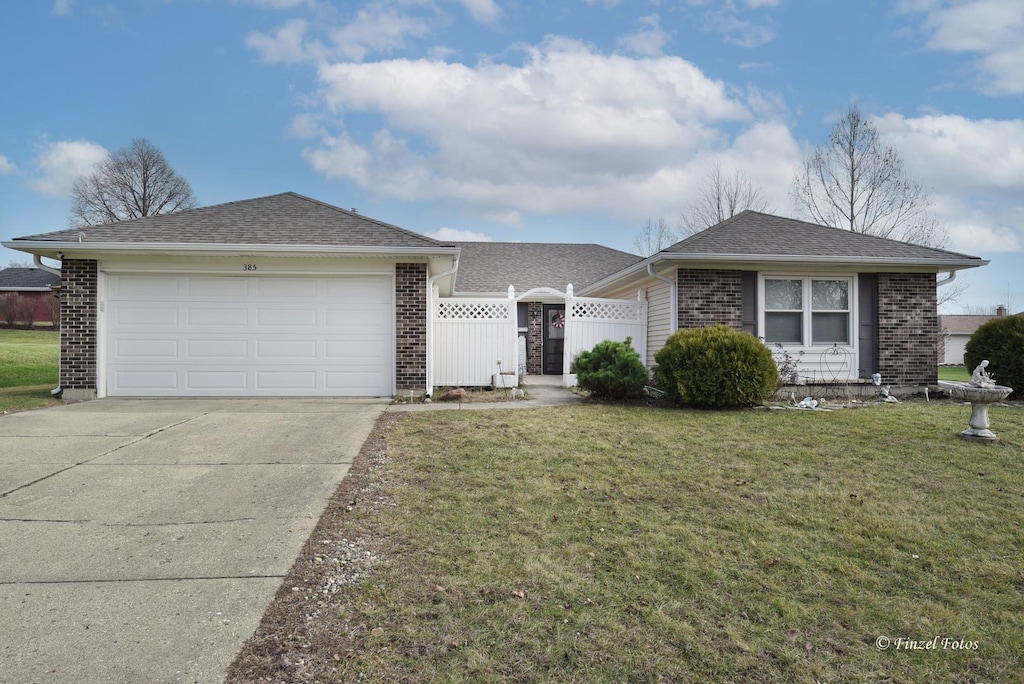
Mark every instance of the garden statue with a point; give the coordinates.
(979, 378)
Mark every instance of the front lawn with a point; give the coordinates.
(611, 544)
(954, 373)
(28, 368)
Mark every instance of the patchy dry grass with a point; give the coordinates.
(28, 368)
(610, 544)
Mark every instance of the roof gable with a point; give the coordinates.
(492, 266)
(751, 233)
(284, 219)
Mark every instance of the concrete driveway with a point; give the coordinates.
(141, 540)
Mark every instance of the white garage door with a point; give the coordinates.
(249, 336)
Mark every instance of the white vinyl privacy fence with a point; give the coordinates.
(475, 338)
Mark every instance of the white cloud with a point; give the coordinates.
(737, 31)
(482, 11)
(62, 8)
(990, 29)
(376, 29)
(6, 166)
(60, 164)
(568, 129)
(285, 45)
(648, 39)
(974, 170)
(456, 235)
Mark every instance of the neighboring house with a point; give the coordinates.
(35, 285)
(288, 296)
(956, 329)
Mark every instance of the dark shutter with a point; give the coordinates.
(867, 335)
(749, 299)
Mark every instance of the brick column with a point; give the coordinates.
(908, 328)
(411, 327)
(78, 345)
(710, 297)
(535, 338)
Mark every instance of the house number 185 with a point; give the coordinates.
(249, 267)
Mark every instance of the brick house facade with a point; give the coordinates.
(78, 334)
(410, 327)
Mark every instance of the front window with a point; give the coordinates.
(807, 311)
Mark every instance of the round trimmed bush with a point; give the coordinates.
(611, 370)
(716, 367)
(1001, 341)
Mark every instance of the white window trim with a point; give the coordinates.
(808, 365)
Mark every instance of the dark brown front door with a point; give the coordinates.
(554, 338)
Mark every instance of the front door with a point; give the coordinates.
(554, 338)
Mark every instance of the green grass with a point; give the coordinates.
(954, 373)
(28, 368)
(611, 544)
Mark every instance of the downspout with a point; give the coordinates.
(43, 267)
(430, 323)
(55, 271)
(673, 293)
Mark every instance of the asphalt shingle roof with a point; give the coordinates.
(284, 219)
(17, 277)
(493, 266)
(754, 233)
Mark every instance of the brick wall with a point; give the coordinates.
(78, 324)
(411, 327)
(535, 339)
(710, 297)
(908, 328)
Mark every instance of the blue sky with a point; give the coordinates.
(517, 120)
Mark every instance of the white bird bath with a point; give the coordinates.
(980, 398)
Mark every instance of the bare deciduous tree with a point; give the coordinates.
(857, 183)
(719, 197)
(654, 237)
(132, 182)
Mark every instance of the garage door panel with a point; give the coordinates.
(243, 336)
(148, 288)
(146, 382)
(213, 382)
(127, 348)
(301, 380)
(217, 349)
(286, 349)
(218, 317)
(299, 289)
(146, 316)
(267, 317)
(218, 288)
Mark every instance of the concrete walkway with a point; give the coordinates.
(543, 390)
(141, 540)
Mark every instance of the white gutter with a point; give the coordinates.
(673, 290)
(218, 248)
(933, 265)
(430, 320)
(946, 281)
(40, 265)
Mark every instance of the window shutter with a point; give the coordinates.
(867, 335)
(749, 301)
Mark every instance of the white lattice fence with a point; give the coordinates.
(589, 321)
(470, 337)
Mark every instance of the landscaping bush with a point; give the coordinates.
(611, 370)
(716, 367)
(16, 309)
(1001, 341)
